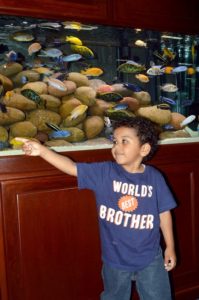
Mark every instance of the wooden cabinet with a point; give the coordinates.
(174, 16)
(49, 241)
(75, 10)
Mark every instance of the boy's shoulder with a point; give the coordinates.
(155, 171)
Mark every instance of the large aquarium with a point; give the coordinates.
(65, 83)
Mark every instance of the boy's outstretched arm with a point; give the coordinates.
(166, 226)
(63, 163)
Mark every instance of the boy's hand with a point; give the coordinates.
(30, 147)
(169, 259)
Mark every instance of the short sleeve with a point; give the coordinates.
(165, 197)
(90, 175)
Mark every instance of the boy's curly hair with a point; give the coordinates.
(146, 132)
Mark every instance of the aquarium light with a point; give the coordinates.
(172, 37)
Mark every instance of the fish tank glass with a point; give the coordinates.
(65, 83)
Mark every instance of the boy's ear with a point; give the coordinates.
(145, 149)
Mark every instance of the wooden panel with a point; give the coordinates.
(52, 243)
(74, 10)
(183, 180)
(175, 16)
(3, 287)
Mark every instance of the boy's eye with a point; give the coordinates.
(114, 141)
(124, 141)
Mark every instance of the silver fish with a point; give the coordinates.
(52, 52)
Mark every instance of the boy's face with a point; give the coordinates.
(127, 150)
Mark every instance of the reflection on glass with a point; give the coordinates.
(67, 82)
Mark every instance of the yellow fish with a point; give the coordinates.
(142, 78)
(77, 111)
(83, 50)
(191, 71)
(73, 40)
(169, 54)
(72, 25)
(168, 70)
(8, 94)
(16, 143)
(92, 72)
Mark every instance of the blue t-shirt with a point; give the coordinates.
(128, 206)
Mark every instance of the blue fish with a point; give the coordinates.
(167, 100)
(133, 87)
(71, 57)
(186, 102)
(12, 56)
(59, 134)
(168, 127)
(120, 106)
(179, 69)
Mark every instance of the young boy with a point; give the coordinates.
(133, 203)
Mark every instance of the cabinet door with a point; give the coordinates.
(74, 9)
(51, 240)
(174, 16)
(183, 179)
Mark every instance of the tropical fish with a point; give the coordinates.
(78, 26)
(168, 127)
(191, 71)
(58, 134)
(188, 120)
(179, 69)
(133, 87)
(11, 56)
(32, 95)
(110, 96)
(49, 25)
(22, 36)
(186, 102)
(77, 111)
(169, 54)
(168, 70)
(167, 100)
(72, 25)
(143, 78)
(24, 79)
(8, 94)
(56, 83)
(140, 43)
(169, 88)
(71, 57)
(92, 72)
(83, 50)
(193, 52)
(15, 142)
(51, 52)
(33, 48)
(120, 106)
(130, 67)
(163, 106)
(43, 70)
(159, 56)
(155, 71)
(53, 126)
(73, 40)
